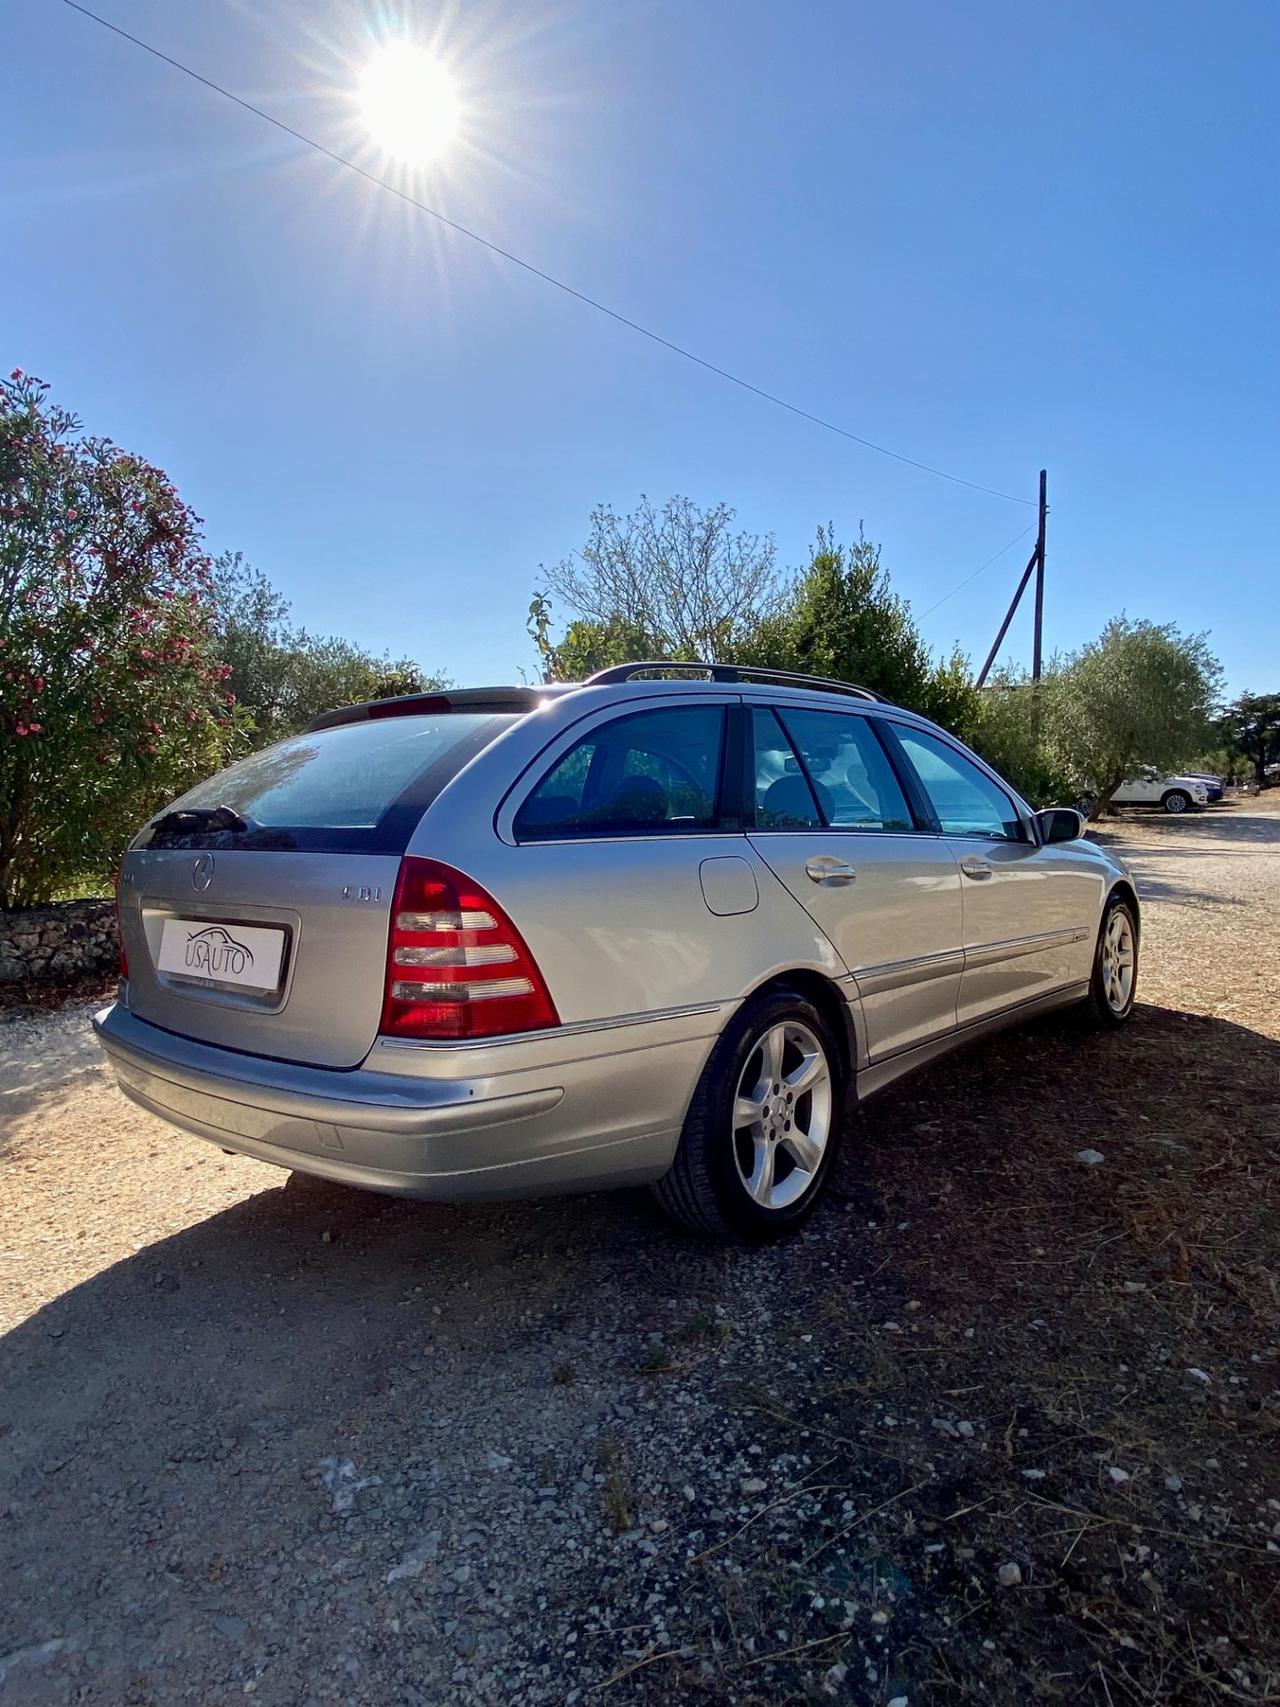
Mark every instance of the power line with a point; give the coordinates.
(1030, 528)
(528, 266)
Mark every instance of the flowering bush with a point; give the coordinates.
(112, 698)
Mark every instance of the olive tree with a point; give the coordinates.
(1141, 694)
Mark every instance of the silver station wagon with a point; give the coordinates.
(664, 926)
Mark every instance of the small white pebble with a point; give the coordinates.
(1090, 1158)
(1117, 1474)
(1198, 1375)
(1009, 1575)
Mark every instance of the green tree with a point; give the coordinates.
(1143, 693)
(1251, 724)
(282, 677)
(585, 646)
(843, 619)
(1009, 734)
(112, 696)
(680, 584)
(675, 583)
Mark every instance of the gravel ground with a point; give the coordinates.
(1000, 1426)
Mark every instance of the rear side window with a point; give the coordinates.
(650, 773)
(358, 787)
(838, 765)
(965, 799)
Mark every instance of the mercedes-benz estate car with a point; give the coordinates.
(667, 925)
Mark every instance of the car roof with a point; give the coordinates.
(624, 681)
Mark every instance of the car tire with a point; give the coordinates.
(1112, 994)
(1176, 800)
(747, 1181)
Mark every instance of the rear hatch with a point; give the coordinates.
(255, 911)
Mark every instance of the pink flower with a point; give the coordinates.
(16, 374)
(72, 514)
(36, 728)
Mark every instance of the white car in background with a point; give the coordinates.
(1174, 793)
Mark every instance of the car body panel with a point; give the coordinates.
(576, 1111)
(1023, 921)
(334, 909)
(896, 923)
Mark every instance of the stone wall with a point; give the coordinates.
(55, 944)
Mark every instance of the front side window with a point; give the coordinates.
(965, 799)
(824, 767)
(650, 773)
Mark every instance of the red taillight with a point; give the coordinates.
(456, 965)
(124, 958)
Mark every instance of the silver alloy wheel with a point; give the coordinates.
(1117, 961)
(1177, 801)
(782, 1115)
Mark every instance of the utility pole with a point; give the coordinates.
(1036, 563)
(1037, 650)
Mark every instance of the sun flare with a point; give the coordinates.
(409, 103)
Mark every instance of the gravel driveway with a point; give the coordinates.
(1001, 1425)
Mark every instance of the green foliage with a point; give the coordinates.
(1220, 760)
(112, 697)
(680, 584)
(1250, 726)
(1143, 693)
(1009, 736)
(585, 646)
(282, 677)
(843, 619)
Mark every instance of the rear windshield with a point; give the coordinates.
(361, 787)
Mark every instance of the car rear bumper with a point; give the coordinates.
(579, 1118)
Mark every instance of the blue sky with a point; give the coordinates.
(991, 236)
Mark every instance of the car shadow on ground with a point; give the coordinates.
(179, 1399)
(352, 1280)
(1236, 822)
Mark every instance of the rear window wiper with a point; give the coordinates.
(190, 820)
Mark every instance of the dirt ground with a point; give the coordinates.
(1001, 1426)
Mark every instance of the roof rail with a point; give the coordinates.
(732, 673)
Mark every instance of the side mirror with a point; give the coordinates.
(1060, 824)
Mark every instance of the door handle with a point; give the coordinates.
(825, 868)
(977, 869)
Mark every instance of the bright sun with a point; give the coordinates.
(409, 103)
